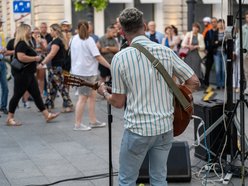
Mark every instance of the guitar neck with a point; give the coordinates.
(94, 86)
(75, 81)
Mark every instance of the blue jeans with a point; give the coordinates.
(4, 85)
(220, 69)
(132, 154)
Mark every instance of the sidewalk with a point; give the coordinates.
(41, 153)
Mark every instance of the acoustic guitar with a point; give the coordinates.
(182, 116)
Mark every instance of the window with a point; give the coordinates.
(112, 11)
(146, 8)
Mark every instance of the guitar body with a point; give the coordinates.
(182, 117)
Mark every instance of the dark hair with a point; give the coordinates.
(175, 29)
(83, 29)
(131, 20)
(166, 28)
(197, 25)
(110, 27)
(221, 21)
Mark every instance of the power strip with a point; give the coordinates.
(227, 178)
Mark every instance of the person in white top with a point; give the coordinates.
(85, 57)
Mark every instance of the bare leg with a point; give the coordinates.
(41, 77)
(25, 96)
(80, 109)
(10, 116)
(91, 105)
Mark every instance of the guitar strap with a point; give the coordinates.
(172, 85)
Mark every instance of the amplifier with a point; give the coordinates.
(210, 113)
(178, 165)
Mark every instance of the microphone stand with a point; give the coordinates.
(110, 120)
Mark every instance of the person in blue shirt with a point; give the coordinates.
(154, 35)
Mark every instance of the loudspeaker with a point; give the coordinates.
(210, 113)
(178, 165)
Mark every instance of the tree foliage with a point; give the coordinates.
(97, 4)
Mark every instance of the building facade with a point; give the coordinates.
(163, 12)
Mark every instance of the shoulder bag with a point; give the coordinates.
(17, 65)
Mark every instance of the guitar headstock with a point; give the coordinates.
(75, 81)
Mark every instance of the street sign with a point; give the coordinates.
(21, 6)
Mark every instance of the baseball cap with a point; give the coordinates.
(64, 22)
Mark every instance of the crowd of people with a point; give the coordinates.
(135, 84)
(201, 48)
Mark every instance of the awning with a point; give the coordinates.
(151, 1)
(121, 1)
(211, 1)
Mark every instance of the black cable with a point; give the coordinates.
(83, 178)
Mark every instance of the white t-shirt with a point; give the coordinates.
(83, 53)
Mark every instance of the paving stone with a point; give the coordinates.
(3, 179)
(29, 181)
(20, 169)
(12, 154)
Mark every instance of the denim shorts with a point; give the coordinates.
(84, 90)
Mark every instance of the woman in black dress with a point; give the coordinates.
(24, 80)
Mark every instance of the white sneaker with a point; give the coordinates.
(246, 91)
(97, 124)
(82, 127)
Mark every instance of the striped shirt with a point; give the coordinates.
(149, 110)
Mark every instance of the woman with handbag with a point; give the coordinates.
(24, 78)
(194, 42)
(55, 72)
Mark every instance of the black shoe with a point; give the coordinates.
(5, 111)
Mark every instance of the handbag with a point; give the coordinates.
(183, 96)
(17, 65)
(183, 52)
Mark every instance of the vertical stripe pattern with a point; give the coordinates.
(149, 110)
